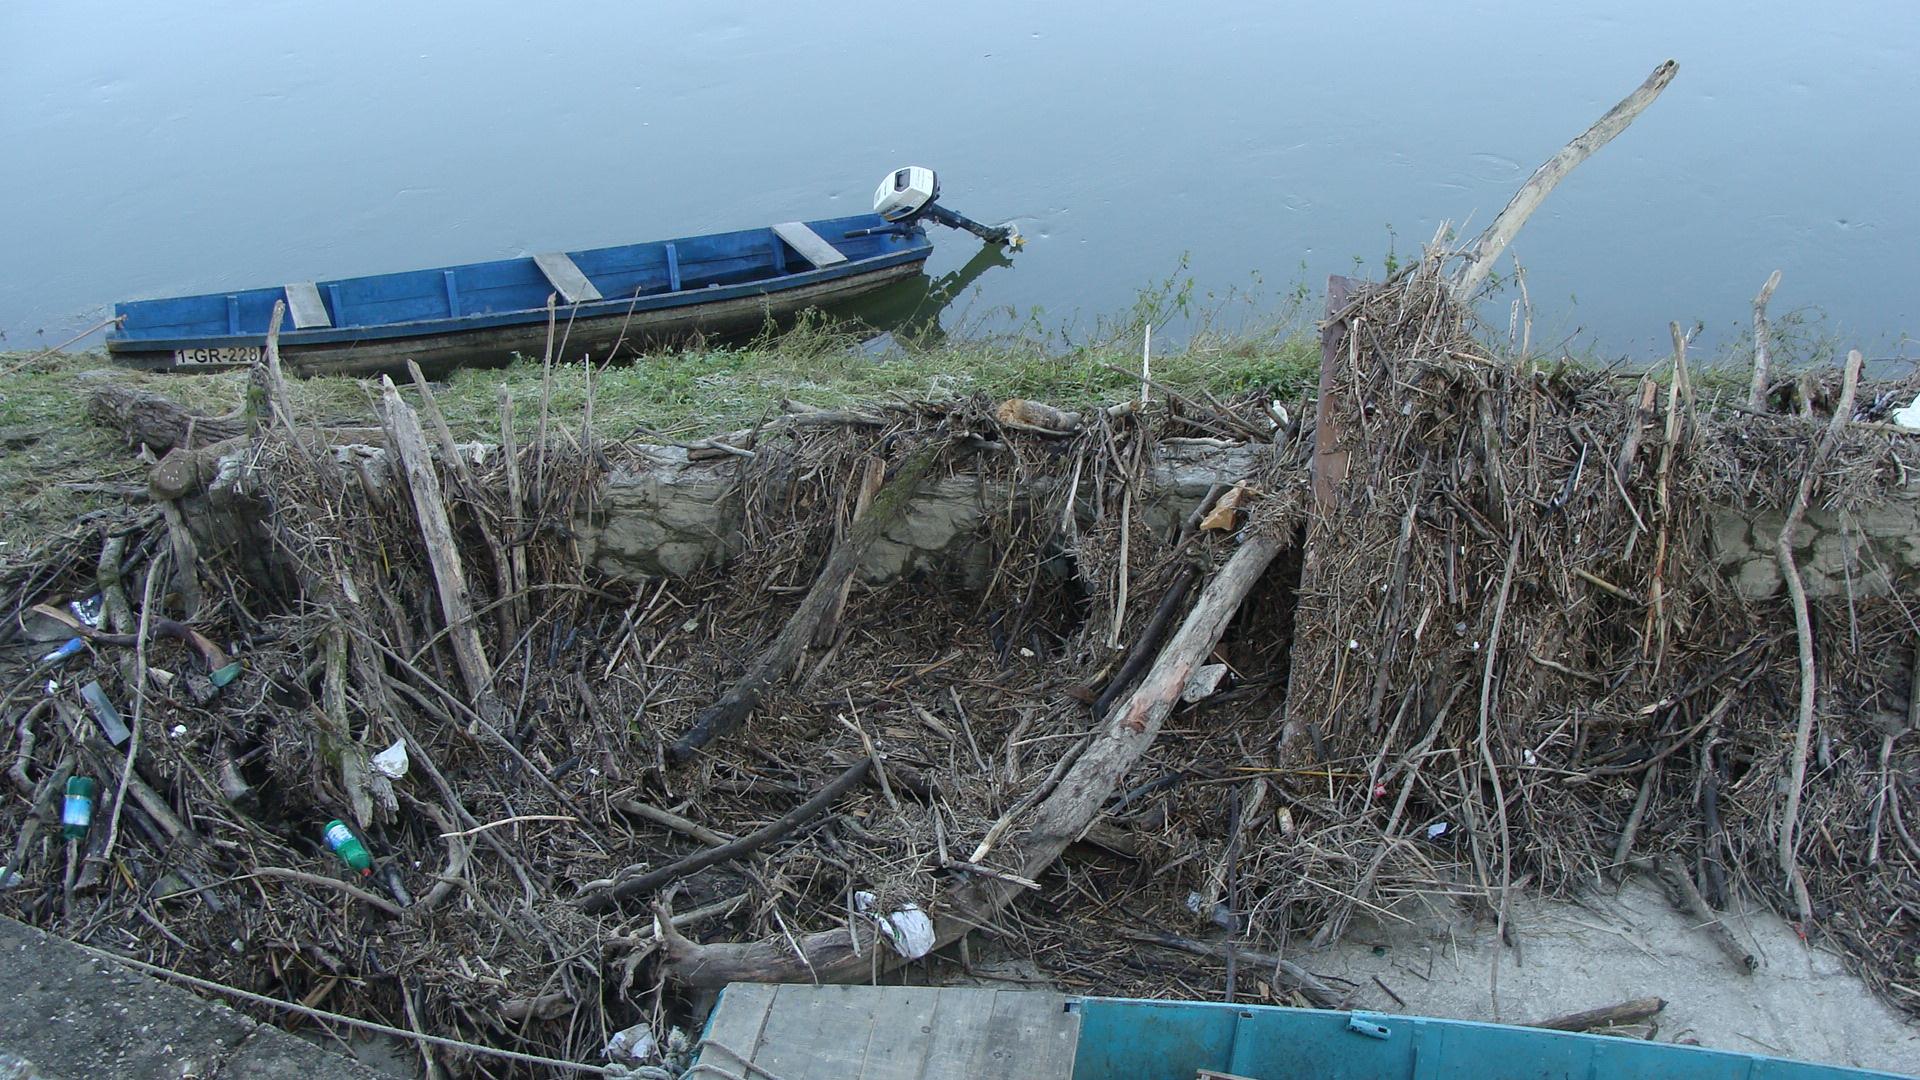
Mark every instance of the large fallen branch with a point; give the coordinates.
(161, 423)
(601, 899)
(1493, 243)
(1803, 629)
(733, 708)
(409, 442)
(841, 954)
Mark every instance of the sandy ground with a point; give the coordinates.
(1572, 956)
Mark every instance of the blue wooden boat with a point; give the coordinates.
(625, 298)
(972, 1033)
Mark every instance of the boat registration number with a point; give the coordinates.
(232, 354)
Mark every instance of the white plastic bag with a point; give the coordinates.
(907, 928)
(392, 762)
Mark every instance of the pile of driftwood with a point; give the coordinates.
(612, 790)
(1451, 635)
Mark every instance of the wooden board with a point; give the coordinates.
(566, 278)
(808, 243)
(894, 1033)
(305, 306)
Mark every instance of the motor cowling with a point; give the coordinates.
(906, 193)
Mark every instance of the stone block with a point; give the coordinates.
(1894, 518)
(1757, 579)
(1730, 536)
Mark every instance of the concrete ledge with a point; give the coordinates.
(73, 1015)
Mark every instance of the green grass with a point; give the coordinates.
(51, 442)
(46, 441)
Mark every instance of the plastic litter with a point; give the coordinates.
(224, 674)
(108, 717)
(76, 813)
(1909, 417)
(70, 649)
(88, 610)
(635, 1044)
(345, 844)
(392, 762)
(1203, 682)
(907, 928)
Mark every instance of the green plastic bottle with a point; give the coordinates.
(340, 838)
(76, 813)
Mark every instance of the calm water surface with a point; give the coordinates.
(156, 149)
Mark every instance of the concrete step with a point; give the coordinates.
(75, 1017)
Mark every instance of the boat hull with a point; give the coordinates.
(628, 333)
(617, 300)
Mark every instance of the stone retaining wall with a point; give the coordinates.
(1869, 552)
(664, 514)
(660, 513)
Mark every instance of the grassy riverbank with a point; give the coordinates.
(53, 459)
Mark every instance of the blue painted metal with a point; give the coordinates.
(1128, 1039)
(633, 278)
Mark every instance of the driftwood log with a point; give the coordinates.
(842, 954)
(160, 423)
(409, 442)
(733, 708)
(1625, 1012)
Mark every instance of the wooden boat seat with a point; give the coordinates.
(808, 243)
(305, 306)
(566, 278)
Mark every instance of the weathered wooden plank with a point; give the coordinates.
(816, 1031)
(566, 278)
(808, 243)
(306, 307)
(409, 441)
(902, 1030)
(1030, 1036)
(1329, 460)
(801, 1032)
(737, 1023)
(960, 1017)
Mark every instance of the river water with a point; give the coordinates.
(158, 149)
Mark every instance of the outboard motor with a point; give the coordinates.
(907, 195)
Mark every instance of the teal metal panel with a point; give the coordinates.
(1124, 1039)
(1142, 1040)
